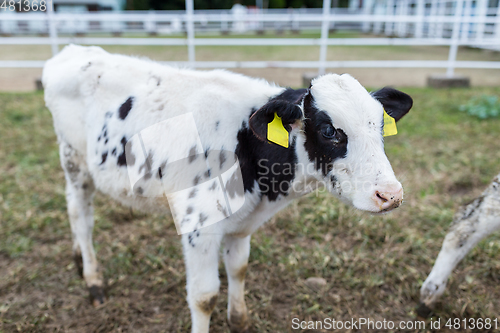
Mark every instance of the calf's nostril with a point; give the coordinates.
(381, 197)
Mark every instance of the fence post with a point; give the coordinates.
(455, 38)
(432, 32)
(367, 9)
(482, 11)
(295, 23)
(440, 25)
(466, 27)
(401, 11)
(389, 12)
(497, 25)
(325, 24)
(190, 32)
(419, 26)
(378, 10)
(150, 23)
(52, 28)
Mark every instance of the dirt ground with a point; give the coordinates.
(23, 79)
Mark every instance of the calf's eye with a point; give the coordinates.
(328, 131)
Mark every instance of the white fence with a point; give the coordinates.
(237, 20)
(407, 22)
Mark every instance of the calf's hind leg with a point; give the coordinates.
(80, 191)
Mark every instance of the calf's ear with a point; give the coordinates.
(396, 103)
(288, 110)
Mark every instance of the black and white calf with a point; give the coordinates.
(101, 102)
(472, 223)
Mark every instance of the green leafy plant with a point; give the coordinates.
(483, 107)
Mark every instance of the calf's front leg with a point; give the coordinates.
(201, 254)
(236, 254)
(473, 223)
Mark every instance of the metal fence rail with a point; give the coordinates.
(417, 23)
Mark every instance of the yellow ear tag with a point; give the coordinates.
(277, 133)
(389, 125)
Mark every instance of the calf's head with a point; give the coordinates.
(338, 131)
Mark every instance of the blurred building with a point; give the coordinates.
(29, 26)
(79, 6)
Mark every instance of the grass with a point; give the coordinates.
(373, 265)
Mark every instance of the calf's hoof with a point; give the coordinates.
(423, 310)
(97, 296)
(239, 323)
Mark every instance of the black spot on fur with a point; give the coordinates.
(158, 80)
(222, 209)
(214, 186)
(206, 152)
(139, 190)
(84, 68)
(217, 125)
(208, 173)
(319, 149)
(104, 156)
(256, 155)
(108, 114)
(113, 152)
(471, 208)
(122, 160)
(203, 218)
(192, 154)
(161, 170)
(234, 186)
(125, 108)
(191, 237)
(127, 151)
(189, 210)
(222, 159)
(192, 194)
(147, 166)
(196, 180)
(106, 141)
(256, 158)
